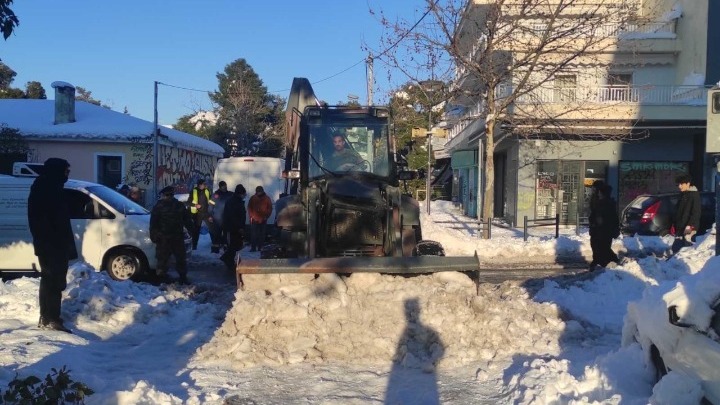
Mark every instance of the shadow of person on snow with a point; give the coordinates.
(413, 378)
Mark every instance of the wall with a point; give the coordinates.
(80, 155)
(176, 167)
(182, 168)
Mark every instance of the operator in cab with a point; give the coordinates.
(343, 158)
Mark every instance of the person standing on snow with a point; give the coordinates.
(234, 224)
(53, 240)
(687, 213)
(217, 232)
(259, 210)
(167, 219)
(604, 225)
(199, 208)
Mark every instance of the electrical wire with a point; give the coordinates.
(402, 37)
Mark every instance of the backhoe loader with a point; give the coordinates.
(343, 210)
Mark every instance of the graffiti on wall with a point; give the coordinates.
(637, 178)
(182, 168)
(140, 167)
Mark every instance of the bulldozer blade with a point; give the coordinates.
(386, 265)
(390, 265)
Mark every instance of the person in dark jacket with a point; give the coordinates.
(53, 240)
(604, 225)
(234, 225)
(687, 213)
(200, 202)
(167, 219)
(219, 197)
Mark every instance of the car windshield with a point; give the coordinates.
(117, 201)
(349, 147)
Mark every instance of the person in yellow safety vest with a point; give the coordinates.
(199, 208)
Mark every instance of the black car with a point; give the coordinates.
(652, 214)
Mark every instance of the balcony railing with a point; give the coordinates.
(466, 119)
(627, 95)
(644, 95)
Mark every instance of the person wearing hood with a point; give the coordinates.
(233, 218)
(53, 240)
(604, 225)
(687, 213)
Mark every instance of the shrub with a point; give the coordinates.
(56, 388)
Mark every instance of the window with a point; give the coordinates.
(565, 87)
(109, 170)
(716, 103)
(619, 87)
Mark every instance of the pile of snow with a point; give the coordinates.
(420, 322)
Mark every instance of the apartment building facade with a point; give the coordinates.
(631, 114)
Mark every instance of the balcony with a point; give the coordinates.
(643, 95)
(604, 102)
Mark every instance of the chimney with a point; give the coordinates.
(64, 102)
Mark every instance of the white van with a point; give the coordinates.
(252, 171)
(111, 231)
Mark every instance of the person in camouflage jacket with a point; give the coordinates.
(167, 219)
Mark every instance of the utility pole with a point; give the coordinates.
(369, 68)
(429, 162)
(156, 147)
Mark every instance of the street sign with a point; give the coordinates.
(423, 132)
(440, 132)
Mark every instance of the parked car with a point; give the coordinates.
(111, 231)
(652, 214)
(678, 328)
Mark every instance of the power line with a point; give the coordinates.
(402, 37)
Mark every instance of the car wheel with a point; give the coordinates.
(660, 368)
(123, 265)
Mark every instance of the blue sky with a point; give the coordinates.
(118, 49)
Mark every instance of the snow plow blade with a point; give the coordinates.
(385, 265)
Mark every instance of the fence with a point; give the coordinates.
(533, 223)
(485, 226)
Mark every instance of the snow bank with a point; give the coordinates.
(418, 322)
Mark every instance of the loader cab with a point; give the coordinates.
(342, 141)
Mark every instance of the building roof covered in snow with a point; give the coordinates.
(35, 119)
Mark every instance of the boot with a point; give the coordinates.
(56, 324)
(183, 280)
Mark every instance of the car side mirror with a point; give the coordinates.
(674, 319)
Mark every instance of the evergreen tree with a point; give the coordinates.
(7, 75)
(247, 115)
(81, 94)
(35, 90)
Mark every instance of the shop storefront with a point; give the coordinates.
(563, 187)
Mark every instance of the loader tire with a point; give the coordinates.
(429, 248)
